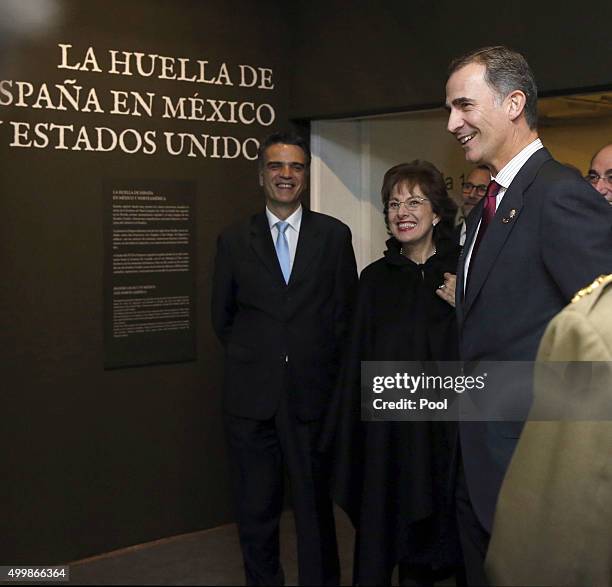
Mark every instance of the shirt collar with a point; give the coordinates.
(294, 220)
(508, 172)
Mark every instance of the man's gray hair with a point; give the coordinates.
(505, 71)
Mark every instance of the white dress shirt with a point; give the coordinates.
(292, 233)
(504, 178)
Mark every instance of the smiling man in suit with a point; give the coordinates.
(538, 235)
(282, 291)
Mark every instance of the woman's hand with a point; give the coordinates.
(446, 290)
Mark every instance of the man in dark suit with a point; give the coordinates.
(539, 234)
(473, 190)
(282, 290)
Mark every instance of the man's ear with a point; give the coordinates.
(516, 101)
(261, 179)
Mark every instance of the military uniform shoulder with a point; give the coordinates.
(588, 296)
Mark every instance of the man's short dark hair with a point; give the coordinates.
(505, 71)
(285, 138)
(480, 168)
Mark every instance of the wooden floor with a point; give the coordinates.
(210, 557)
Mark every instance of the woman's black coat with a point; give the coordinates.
(393, 478)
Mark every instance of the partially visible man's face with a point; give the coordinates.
(474, 188)
(601, 173)
(477, 121)
(283, 176)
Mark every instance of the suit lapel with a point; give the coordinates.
(309, 243)
(470, 231)
(262, 244)
(501, 226)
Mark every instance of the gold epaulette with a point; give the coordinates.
(585, 291)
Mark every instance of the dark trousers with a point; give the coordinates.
(472, 534)
(261, 451)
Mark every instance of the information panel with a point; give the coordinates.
(149, 280)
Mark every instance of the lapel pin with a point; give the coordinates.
(508, 218)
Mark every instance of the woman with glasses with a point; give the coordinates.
(392, 478)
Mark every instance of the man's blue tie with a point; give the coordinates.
(282, 249)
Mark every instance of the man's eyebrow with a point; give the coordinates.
(606, 172)
(276, 162)
(462, 101)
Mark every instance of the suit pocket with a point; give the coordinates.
(246, 368)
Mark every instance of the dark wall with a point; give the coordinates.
(364, 57)
(94, 460)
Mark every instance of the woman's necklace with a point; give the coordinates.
(405, 253)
